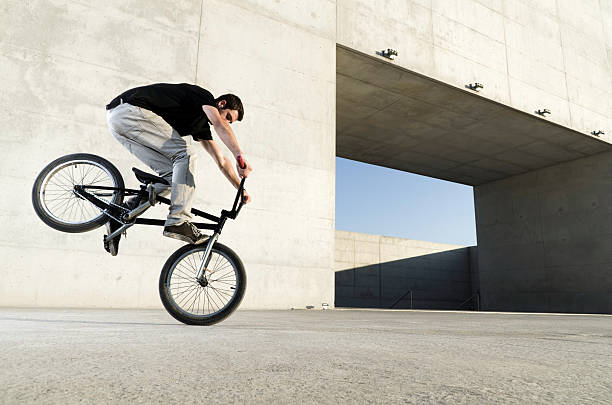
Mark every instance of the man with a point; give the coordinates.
(153, 123)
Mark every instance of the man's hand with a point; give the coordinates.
(243, 167)
(247, 198)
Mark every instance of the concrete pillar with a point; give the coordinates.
(545, 239)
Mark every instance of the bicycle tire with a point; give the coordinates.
(44, 178)
(168, 296)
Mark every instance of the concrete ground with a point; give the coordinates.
(57, 356)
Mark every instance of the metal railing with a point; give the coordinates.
(401, 298)
(477, 301)
(475, 298)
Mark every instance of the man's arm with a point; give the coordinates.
(224, 164)
(226, 134)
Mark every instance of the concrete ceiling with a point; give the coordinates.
(389, 116)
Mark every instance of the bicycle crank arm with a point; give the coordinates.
(118, 231)
(137, 211)
(206, 257)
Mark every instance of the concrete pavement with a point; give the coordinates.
(57, 356)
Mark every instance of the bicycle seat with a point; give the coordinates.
(146, 178)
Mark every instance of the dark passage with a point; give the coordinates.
(444, 280)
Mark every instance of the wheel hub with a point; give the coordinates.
(203, 281)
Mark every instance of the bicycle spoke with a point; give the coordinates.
(223, 281)
(65, 177)
(210, 300)
(186, 298)
(184, 269)
(188, 265)
(62, 186)
(221, 299)
(216, 262)
(179, 283)
(191, 279)
(222, 267)
(223, 278)
(224, 272)
(95, 179)
(80, 170)
(194, 300)
(187, 293)
(71, 207)
(180, 290)
(189, 274)
(58, 200)
(219, 291)
(88, 171)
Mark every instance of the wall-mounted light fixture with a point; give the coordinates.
(543, 112)
(474, 86)
(598, 132)
(387, 53)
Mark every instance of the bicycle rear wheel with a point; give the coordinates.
(53, 194)
(205, 303)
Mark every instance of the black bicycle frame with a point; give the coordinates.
(216, 225)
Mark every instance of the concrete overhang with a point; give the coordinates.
(389, 116)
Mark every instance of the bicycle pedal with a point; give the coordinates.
(111, 246)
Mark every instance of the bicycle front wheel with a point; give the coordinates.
(53, 194)
(202, 302)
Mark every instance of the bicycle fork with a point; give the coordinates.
(206, 258)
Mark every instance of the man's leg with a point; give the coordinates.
(183, 185)
(155, 143)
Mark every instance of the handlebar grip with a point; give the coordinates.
(240, 162)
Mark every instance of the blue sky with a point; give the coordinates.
(377, 200)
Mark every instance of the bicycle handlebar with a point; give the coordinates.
(240, 193)
(239, 200)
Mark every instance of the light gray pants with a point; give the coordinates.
(152, 140)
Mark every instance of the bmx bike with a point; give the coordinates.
(198, 285)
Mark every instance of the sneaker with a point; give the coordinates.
(133, 202)
(187, 232)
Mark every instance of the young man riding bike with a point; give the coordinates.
(153, 122)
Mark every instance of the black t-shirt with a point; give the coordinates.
(180, 105)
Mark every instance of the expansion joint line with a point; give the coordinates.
(195, 80)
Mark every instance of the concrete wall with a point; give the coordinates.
(528, 54)
(61, 61)
(545, 239)
(377, 271)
